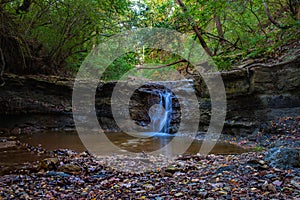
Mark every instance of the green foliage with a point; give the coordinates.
(127, 65)
(245, 28)
(119, 67)
(223, 63)
(258, 148)
(60, 33)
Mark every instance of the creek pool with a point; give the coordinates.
(52, 140)
(14, 156)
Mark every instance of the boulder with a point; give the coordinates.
(70, 169)
(284, 158)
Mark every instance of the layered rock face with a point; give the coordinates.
(143, 98)
(34, 103)
(261, 94)
(254, 96)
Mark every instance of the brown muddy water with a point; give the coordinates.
(70, 140)
(12, 155)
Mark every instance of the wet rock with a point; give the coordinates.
(6, 169)
(60, 174)
(48, 164)
(202, 194)
(253, 137)
(269, 187)
(7, 144)
(270, 176)
(295, 184)
(179, 194)
(70, 169)
(257, 163)
(283, 158)
(165, 174)
(226, 168)
(84, 154)
(172, 169)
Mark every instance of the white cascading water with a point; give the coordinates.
(161, 114)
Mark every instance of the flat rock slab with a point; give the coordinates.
(7, 144)
(284, 158)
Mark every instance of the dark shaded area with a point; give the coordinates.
(140, 102)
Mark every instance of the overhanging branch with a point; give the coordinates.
(162, 66)
(272, 20)
(274, 64)
(195, 28)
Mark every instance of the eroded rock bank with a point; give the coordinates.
(261, 94)
(34, 103)
(254, 97)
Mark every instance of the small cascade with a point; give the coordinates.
(161, 113)
(167, 103)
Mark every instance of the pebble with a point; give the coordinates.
(82, 176)
(179, 194)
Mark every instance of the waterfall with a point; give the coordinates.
(161, 113)
(167, 102)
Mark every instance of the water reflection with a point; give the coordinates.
(54, 140)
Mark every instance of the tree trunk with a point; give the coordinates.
(272, 20)
(196, 29)
(219, 26)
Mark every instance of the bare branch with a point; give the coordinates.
(275, 64)
(218, 25)
(272, 20)
(196, 29)
(162, 66)
(221, 38)
(259, 22)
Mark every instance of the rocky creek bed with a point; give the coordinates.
(271, 172)
(255, 96)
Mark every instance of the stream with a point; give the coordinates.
(12, 155)
(52, 140)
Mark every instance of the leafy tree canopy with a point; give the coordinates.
(46, 36)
